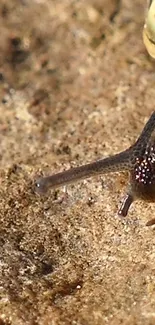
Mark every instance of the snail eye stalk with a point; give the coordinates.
(138, 160)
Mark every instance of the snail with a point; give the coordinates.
(149, 29)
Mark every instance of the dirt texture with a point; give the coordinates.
(76, 85)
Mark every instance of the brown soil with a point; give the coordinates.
(76, 84)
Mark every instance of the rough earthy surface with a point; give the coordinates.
(76, 84)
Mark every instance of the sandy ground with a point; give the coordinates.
(76, 85)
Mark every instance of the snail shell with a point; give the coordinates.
(149, 29)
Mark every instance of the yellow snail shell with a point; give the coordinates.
(149, 29)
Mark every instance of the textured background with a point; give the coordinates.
(76, 84)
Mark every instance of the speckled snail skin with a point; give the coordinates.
(149, 29)
(138, 160)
